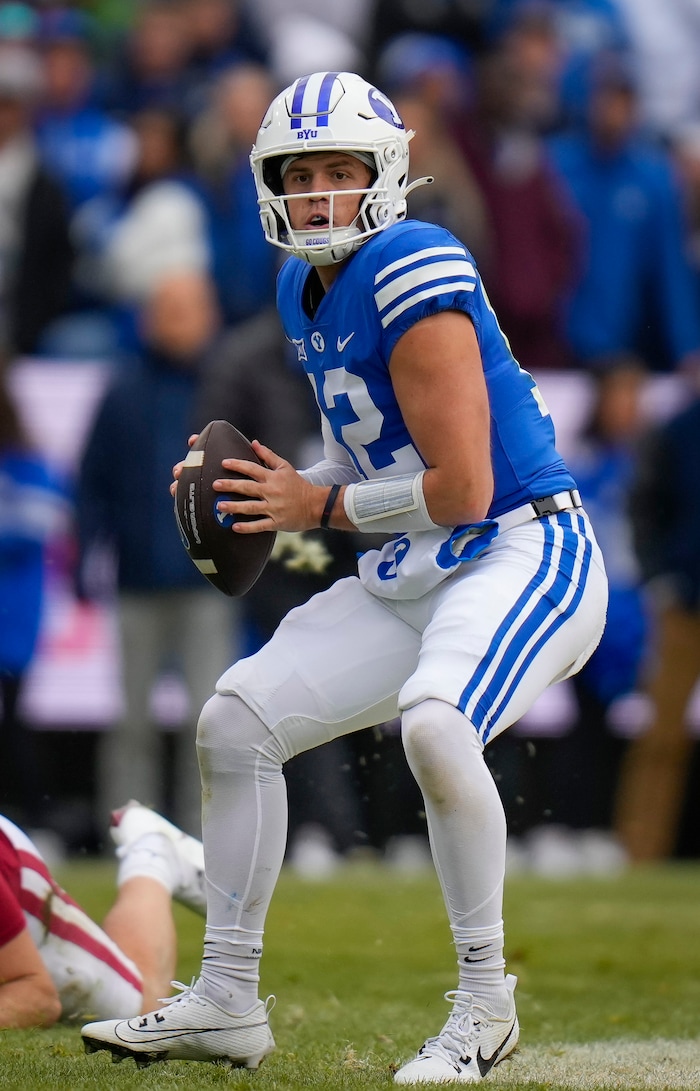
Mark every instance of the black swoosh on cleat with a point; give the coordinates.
(486, 1063)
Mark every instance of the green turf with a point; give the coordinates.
(359, 966)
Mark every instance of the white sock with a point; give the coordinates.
(482, 966)
(152, 855)
(230, 968)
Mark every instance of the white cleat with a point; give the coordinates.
(471, 1042)
(190, 1028)
(132, 821)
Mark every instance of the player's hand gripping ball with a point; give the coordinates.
(232, 562)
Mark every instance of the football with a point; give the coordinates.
(231, 562)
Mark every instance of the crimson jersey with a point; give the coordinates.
(91, 974)
(11, 916)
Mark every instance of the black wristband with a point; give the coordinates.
(330, 504)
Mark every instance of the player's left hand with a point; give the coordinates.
(275, 493)
(177, 468)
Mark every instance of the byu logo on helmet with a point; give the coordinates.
(384, 108)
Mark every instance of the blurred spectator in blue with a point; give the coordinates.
(90, 152)
(33, 509)
(586, 762)
(244, 264)
(168, 614)
(149, 67)
(220, 35)
(532, 224)
(466, 24)
(36, 254)
(158, 222)
(559, 39)
(530, 38)
(604, 467)
(635, 290)
(665, 512)
(429, 79)
(685, 150)
(435, 68)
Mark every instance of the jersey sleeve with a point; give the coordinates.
(422, 269)
(337, 467)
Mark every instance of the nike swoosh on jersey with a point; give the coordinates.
(342, 342)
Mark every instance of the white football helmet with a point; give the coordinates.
(332, 111)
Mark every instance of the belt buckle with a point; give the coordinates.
(545, 505)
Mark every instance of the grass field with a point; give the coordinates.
(608, 993)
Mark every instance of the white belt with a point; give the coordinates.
(535, 509)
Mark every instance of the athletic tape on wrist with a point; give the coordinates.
(388, 505)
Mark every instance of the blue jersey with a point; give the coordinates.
(396, 278)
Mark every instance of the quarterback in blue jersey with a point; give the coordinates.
(491, 585)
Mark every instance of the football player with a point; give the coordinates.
(491, 588)
(56, 963)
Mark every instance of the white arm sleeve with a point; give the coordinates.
(329, 472)
(337, 468)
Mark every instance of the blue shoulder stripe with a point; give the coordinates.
(434, 271)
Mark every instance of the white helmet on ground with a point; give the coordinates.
(324, 112)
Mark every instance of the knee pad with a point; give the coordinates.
(439, 743)
(230, 736)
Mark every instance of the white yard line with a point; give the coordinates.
(660, 1064)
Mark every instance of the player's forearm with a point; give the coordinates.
(408, 502)
(28, 1003)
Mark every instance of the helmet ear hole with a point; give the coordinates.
(272, 174)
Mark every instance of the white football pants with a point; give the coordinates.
(463, 663)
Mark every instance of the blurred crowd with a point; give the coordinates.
(564, 141)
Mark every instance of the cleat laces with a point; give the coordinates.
(186, 993)
(459, 1033)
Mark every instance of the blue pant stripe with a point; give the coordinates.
(515, 612)
(561, 584)
(529, 623)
